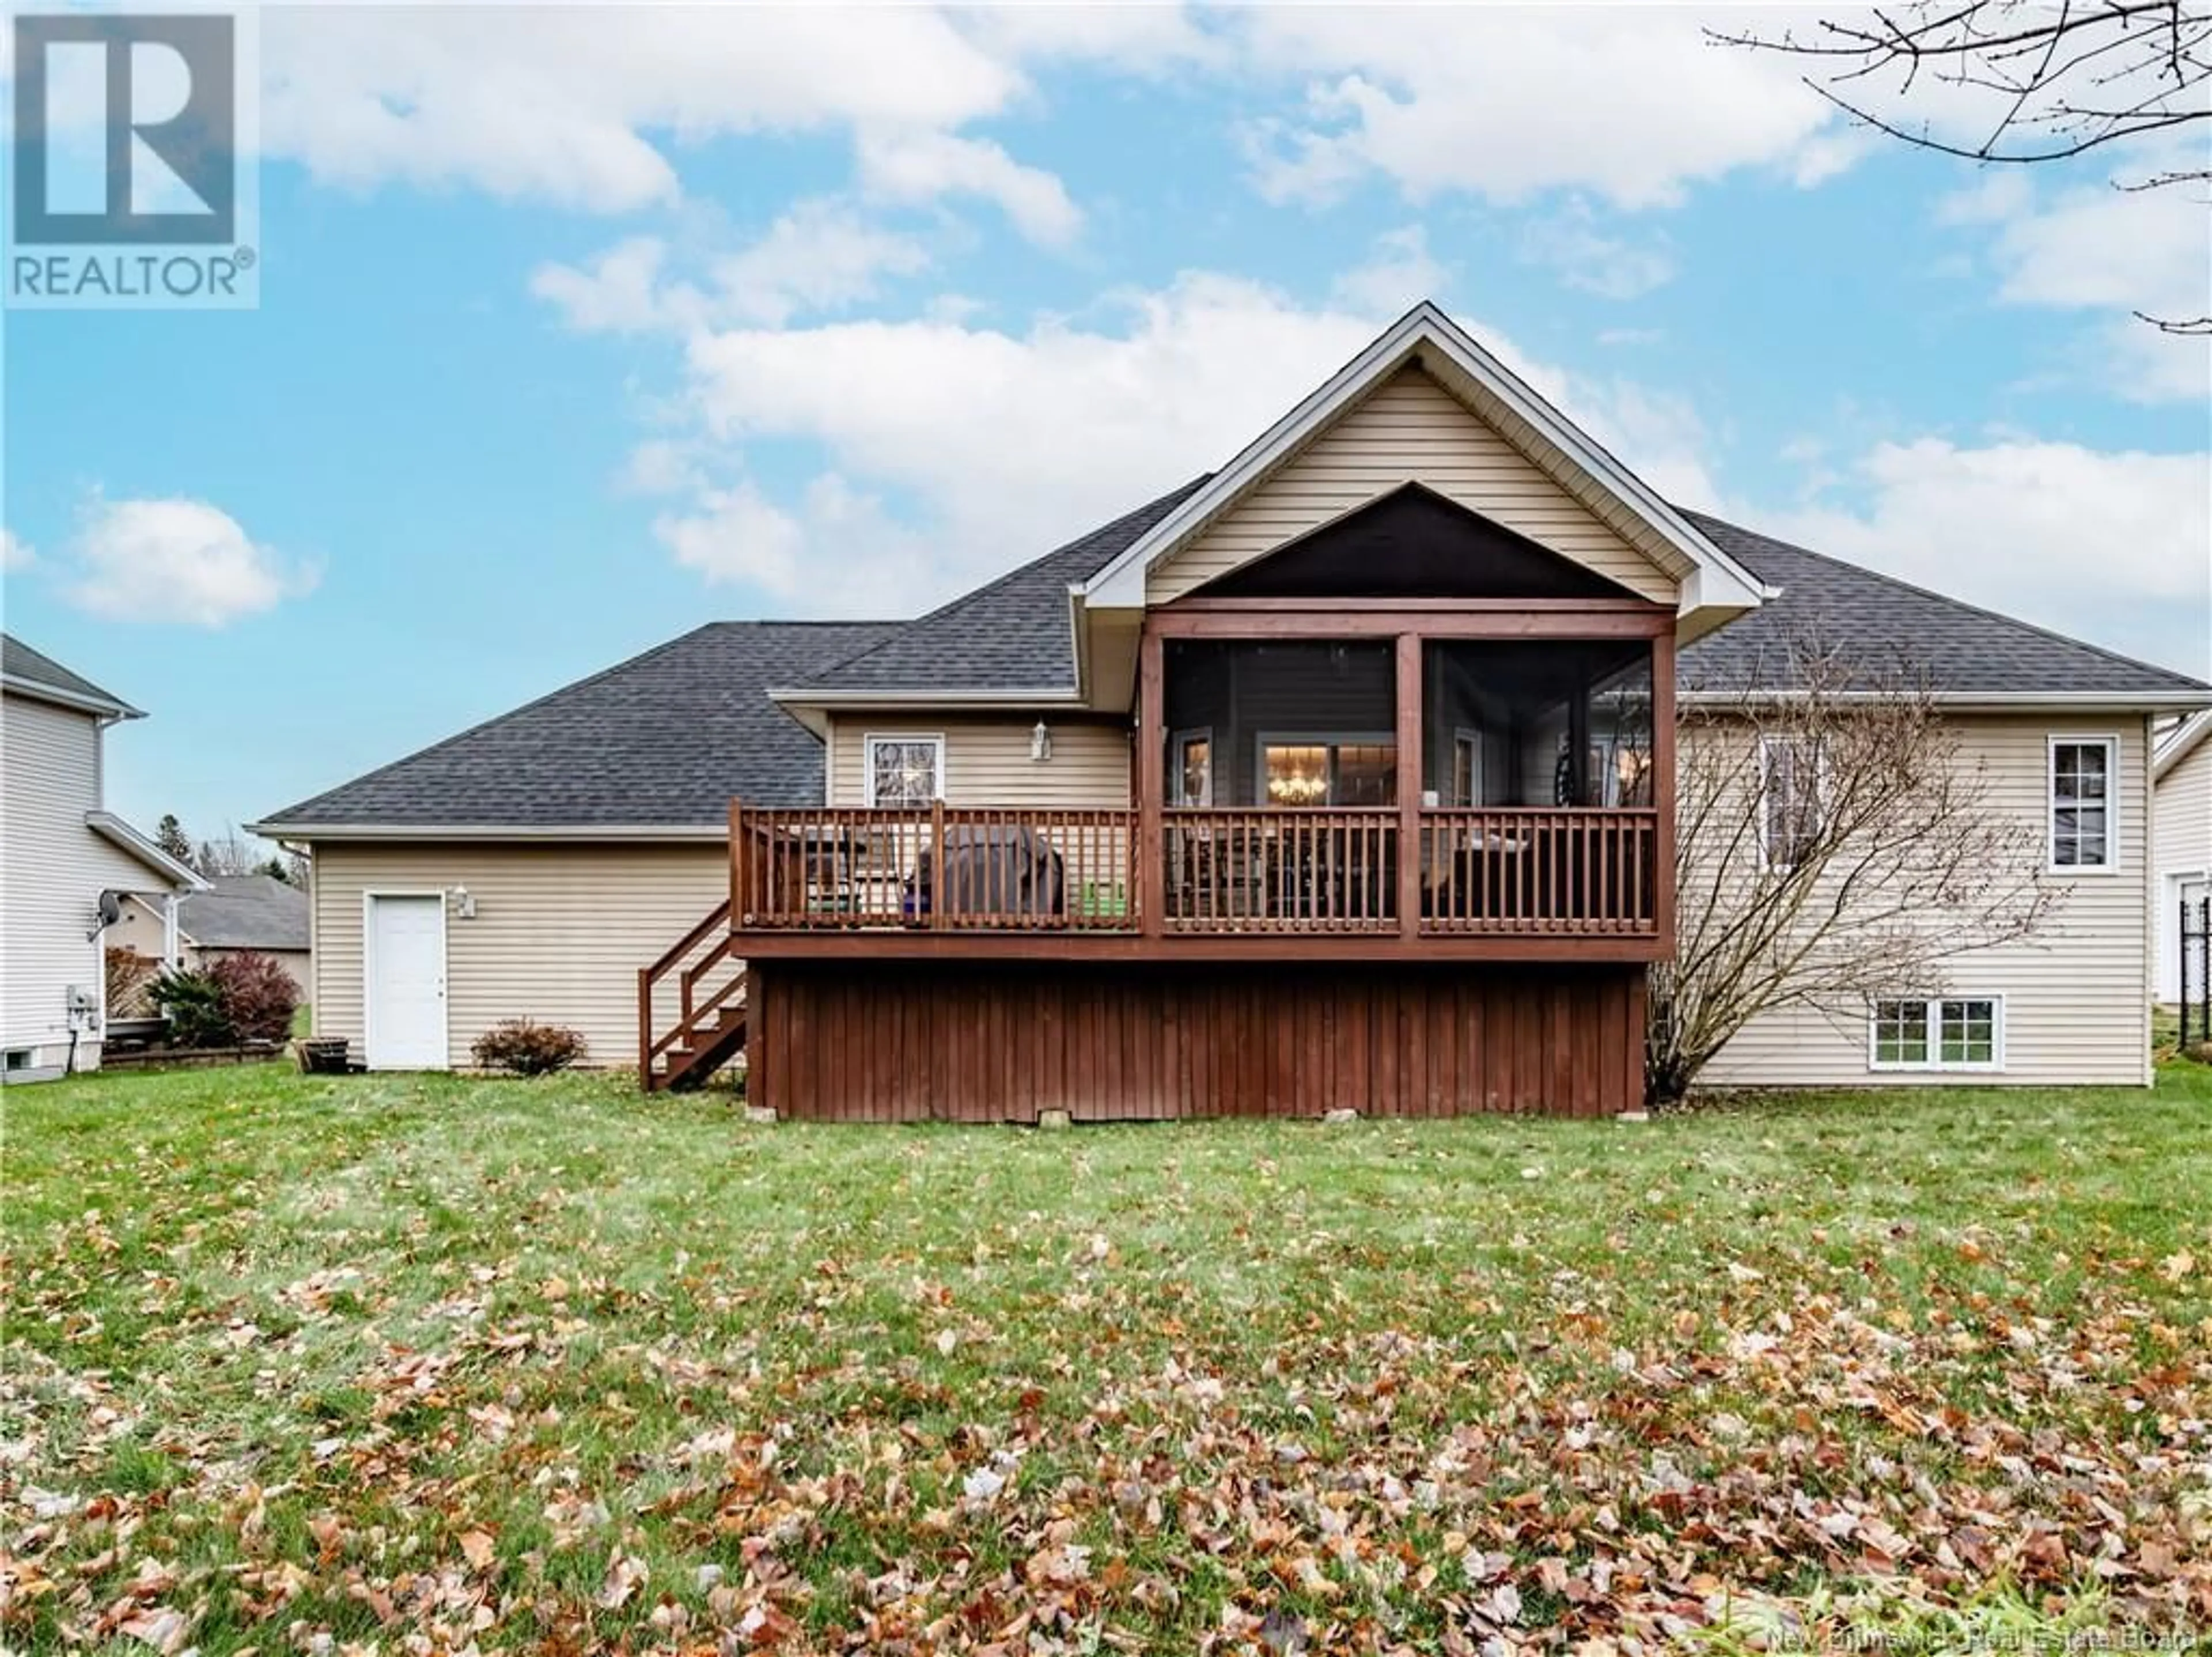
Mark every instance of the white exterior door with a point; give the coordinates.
(406, 980)
(2180, 889)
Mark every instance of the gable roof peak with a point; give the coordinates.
(1710, 578)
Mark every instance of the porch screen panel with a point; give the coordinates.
(1309, 723)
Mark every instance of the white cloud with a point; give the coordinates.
(1397, 275)
(997, 445)
(619, 291)
(735, 535)
(913, 167)
(662, 465)
(2111, 545)
(836, 551)
(174, 560)
(1569, 243)
(820, 255)
(2096, 247)
(15, 552)
(1633, 103)
(554, 104)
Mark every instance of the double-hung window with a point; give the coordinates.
(905, 771)
(1948, 1032)
(1790, 809)
(2083, 774)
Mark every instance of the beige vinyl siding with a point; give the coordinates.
(559, 935)
(986, 759)
(2181, 847)
(53, 870)
(2183, 831)
(1408, 429)
(2076, 999)
(141, 929)
(298, 965)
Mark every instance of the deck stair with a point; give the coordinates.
(705, 1028)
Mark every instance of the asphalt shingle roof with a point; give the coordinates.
(245, 911)
(1960, 648)
(666, 739)
(35, 669)
(670, 737)
(1012, 635)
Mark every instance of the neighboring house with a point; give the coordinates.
(238, 914)
(2181, 838)
(1344, 776)
(66, 866)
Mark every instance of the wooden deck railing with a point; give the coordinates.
(1528, 870)
(1320, 871)
(1300, 870)
(934, 867)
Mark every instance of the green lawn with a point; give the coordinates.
(317, 1365)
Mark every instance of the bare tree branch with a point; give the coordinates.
(2075, 76)
(1836, 845)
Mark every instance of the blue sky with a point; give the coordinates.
(578, 329)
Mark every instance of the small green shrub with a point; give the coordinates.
(191, 1001)
(527, 1048)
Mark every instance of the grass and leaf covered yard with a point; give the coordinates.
(403, 1364)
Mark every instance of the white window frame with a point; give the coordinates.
(1932, 1009)
(1468, 738)
(1177, 740)
(2111, 744)
(868, 742)
(1331, 741)
(1766, 860)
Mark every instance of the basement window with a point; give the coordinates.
(1943, 1033)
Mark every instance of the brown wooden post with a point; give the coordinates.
(1151, 783)
(645, 1028)
(740, 870)
(938, 886)
(1663, 787)
(757, 1080)
(1411, 771)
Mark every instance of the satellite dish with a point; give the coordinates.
(111, 910)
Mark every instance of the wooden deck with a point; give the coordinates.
(1531, 884)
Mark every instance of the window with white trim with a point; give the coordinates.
(1789, 804)
(1945, 1032)
(2082, 771)
(905, 771)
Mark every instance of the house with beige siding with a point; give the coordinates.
(235, 915)
(2181, 839)
(1341, 776)
(67, 865)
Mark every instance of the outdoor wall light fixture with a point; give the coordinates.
(464, 903)
(1040, 742)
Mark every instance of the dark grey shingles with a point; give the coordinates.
(18, 661)
(245, 911)
(1961, 649)
(666, 739)
(1012, 635)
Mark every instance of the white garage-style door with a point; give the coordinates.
(2179, 889)
(405, 1021)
